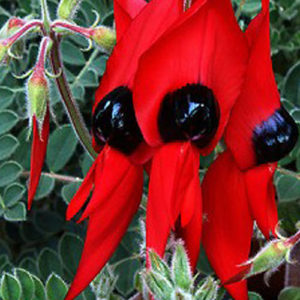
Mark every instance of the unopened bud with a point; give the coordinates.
(67, 9)
(181, 269)
(3, 51)
(14, 24)
(38, 95)
(207, 289)
(104, 37)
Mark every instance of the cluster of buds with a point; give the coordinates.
(176, 281)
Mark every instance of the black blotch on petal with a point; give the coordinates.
(274, 138)
(189, 113)
(114, 121)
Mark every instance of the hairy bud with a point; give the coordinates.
(38, 95)
(67, 9)
(104, 37)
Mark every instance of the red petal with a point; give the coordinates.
(125, 11)
(227, 226)
(38, 153)
(153, 20)
(113, 175)
(259, 98)
(261, 195)
(84, 191)
(191, 232)
(173, 173)
(204, 46)
(106, 228)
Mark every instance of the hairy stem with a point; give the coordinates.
(68, 100)
(45, 16)
(62, 178)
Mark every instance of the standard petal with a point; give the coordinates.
(149, 25)
(261, 196)
(38, 153)
(125, 11)
(259, 98)
(106, 227)
(227, 224)
(205, 46)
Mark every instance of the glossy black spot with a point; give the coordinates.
(189, 113)
(114, 121)
(275, 138)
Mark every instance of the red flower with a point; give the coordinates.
(38, 111)
(117, 173)
(238, 187)
(185, 87)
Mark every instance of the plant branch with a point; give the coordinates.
(68, 100)
(240, 8)
(62, 178)
(288, 172)
(45, 15)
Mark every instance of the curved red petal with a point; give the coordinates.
(38, 153)
(153, 20)
(112, 176)
(173, 178)
(204, 46)
(191, 231)
(227, 225)
(84, 190)
(261, 195)
(106, 227)
(259, 98)
(125, 11)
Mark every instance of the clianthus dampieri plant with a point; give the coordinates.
(157, 110)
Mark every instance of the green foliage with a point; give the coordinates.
(39, 250)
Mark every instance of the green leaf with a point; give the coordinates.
(70, 248)
(29, 264)
(10, 288)
(45, 187)
(290, 293)
(56, 289)
(62, 145)
(69, 190)
(48, 263)
(16, 213)
(8, 145)
(13, 193)
(291, 87)
(255, 296)
(22, 154)
(7, 97)
(8, 119)
(72, 54)
(39, 290)
(288, 188)
(27, 283)
(9, 172)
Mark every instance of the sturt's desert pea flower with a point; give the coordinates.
(38, 112)
(238, 187)
(116, 176)
(184, 90)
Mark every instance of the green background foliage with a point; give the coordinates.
(39, 250)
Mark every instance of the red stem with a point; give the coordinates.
(86, 32)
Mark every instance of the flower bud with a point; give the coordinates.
(38, 95)
(270, 257)
(181, 269)
(67, 9)
(207, 289)
(14, 24)
(104, 37)
(3, 51)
